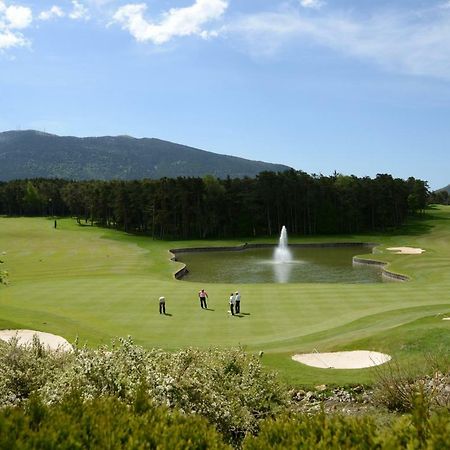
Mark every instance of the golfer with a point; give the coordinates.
(203, 295)
(162, 305)
(232, 300)
(237, 299)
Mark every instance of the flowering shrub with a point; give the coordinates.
(24, 370)
(129, 397)
(228, 387)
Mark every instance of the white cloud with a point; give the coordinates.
(100, 3)
(18, 17)
(413, 42)
(176, 22)
(52, 13)
(9, 40)
(313, 4)
(13, 18)
(79, 11)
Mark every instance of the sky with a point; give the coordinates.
(359, 87)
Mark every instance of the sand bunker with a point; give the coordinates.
(406, 250)
(25, 337)
(358, 359)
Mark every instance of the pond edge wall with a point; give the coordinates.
(180, 273)
(385, 273)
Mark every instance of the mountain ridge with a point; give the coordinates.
(32, 154)
(446, 188)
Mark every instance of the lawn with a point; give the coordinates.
(97, 284)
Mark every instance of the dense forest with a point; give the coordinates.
(208, 207)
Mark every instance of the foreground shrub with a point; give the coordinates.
(228, 387)
(397, 388)
(337, 432)
(314, 432)
(24, 370)
(103, 423)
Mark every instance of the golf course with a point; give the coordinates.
(94, 284)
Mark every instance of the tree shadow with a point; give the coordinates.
(415, 226)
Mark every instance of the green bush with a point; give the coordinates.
(228, 387)
(416, 431)
(103, 423)
(314, 432)
(128, 397)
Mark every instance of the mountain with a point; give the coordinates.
(446, 188)
(33, 154)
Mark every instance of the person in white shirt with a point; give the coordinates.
(232, 300)
(162, 305)
(237, 299)
(203, 295)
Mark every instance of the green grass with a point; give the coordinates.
(99, 284)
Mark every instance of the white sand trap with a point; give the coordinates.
(25, 337)
(358, 359)
(406, 250)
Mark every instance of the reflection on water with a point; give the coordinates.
(282, 272)
(308, 265)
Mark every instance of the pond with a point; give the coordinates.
(256, 265)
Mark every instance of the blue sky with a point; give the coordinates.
(354, 86)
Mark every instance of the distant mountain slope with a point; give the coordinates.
(446, 188)
(32, 154)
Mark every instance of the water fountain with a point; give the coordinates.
(282, 253)
(282, 258)
(278, 264)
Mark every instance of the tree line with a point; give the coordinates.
(440, 197)
(192, 207)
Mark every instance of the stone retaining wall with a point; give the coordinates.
(179, 274)
(385, 273)
(246, 246)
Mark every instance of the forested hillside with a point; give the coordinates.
(441, 196)
(32, 154)
(234, 207)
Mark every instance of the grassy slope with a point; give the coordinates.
(98, 284)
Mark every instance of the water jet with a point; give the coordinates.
(282, 258)
(282, 254)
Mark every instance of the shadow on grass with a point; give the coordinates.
(416, 225)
